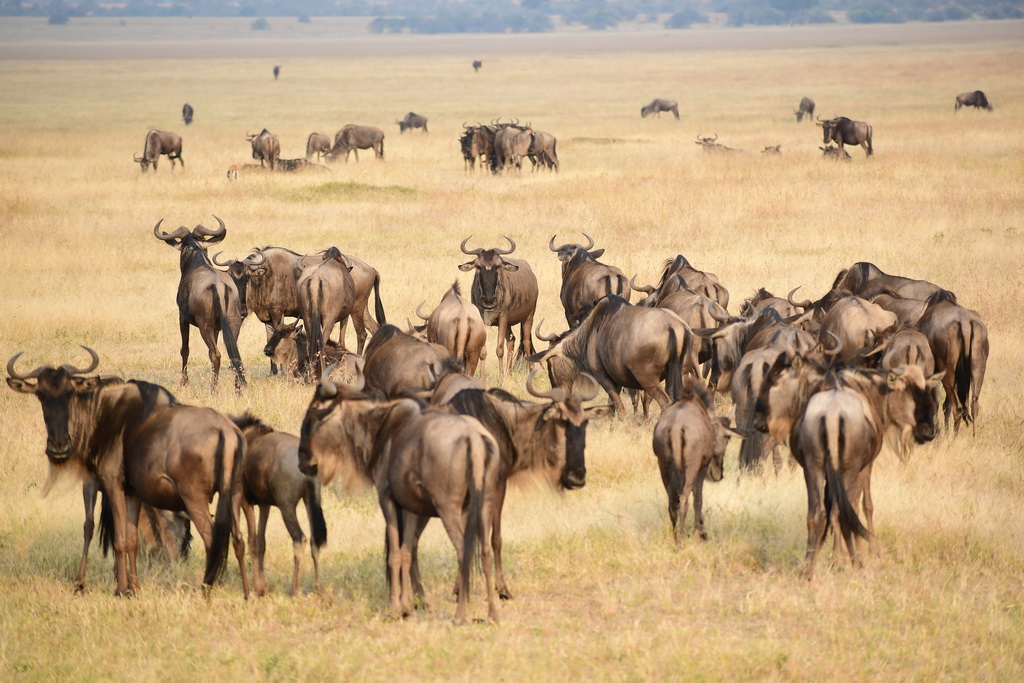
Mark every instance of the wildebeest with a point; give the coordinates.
(293, 165)
(907, 346)
(806, 108)
(709, 144)
(505, 291)
(265, 147)
(457, 325)
(477, 64)
(867, 281)
(207, 299)
(144, 449)
(412, 120)
(585, 281)
(277, 72)
(772, 149)
(511, 143)
(397, 362)
(477, 142)
(288, 349)
(689, 442)
(657, 106)
(542, 150)
(677, 274)
(974, 99)
(160, 142)
(858, 324)
(318, 144)
(186, 113)
(271, 477)
(326, 297)
(844, 131)
(352, 138)
(834, 153)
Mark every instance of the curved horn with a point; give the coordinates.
(505, 252)
(646, 289)
(218, 263)
(424, 317)
(260, 254)
(211, 232)
(711, 312)
(92, 366)
(474, 252)
(137, 158)
(328, 389)
(834, 351)
(551, 244)
(594, 388)
(14, 373)
(544, 337)
(556, 395)
(589, 239)
(807, 303)
(177, 234)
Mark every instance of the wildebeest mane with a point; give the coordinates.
(149, 393)
(249, 420)
(670, 266)
(941, 296)
(383, 335)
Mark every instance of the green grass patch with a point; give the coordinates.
(336, 191)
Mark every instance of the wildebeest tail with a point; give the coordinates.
(474, 534)
(964, 369)
(378, 308)
(674, 368)
(106, 524)
(751, 450)
(317, 523)
(834, 441)
(185, 549)
(230, 342)
(217, 555)
(315, 333)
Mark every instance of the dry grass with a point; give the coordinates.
(600, 591)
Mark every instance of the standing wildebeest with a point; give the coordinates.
(677, 274)
(145, 450)
(397, 362)
(542, 150)
(505, 291)
(265, 147)
(585, 281)
(271, 477)
(974, 99)
(658, 106)
(411, 121)
(511, 143)
(457, 325)
(477, 142)
(689, 442)
(277, 72)
(318, 144)
(326, 298)
(207, 299)
(352, 138)
(844, 131)
(806, 108)
(160, 142)
(477, 64)
(186, 113)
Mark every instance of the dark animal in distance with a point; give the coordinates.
(477, 64)
(318, 144)
(772, 149)
(412, 120)
(265, 147)
(277, 72)
(974, 99)
(806, 108)
(160, 142)
(352, 138)
(844, 131)
(294, 165)
(657, 106)
(186, 113)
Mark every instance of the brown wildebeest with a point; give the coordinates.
(772, 149)
(288, 349)
(744, 389)
(858, 324)
(412, 120)
(677, 274)
(160, 142)
(834, 153)
(505, 292)
(844, 131)
(657, 106)
(271, 477)
(457, 325)
(763, 299)
(326, 298)
(908, 311)
(806, 108)
(542, 150)
(867, 281)
(974, 99)
(145, 450)
(352, 138)
(694, 308)
(397, 362)
(423, 463)
(959, 343)
(318, 144)
(451, 381)
(907, 346)
(265, 147)
(709, 144)
(207, 299)
(186, 113)
(585, 281)
(477, 142)
(511, 143)
(689, 442)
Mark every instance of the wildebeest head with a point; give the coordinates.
(488, 264)
(191, 242)
(54, 388)
(567, 251)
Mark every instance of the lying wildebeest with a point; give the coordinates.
(186, 113)
(397, 362)
(585, 281)
(318, 144)
(160, 142)
(265, 147)
(207, 299)
(412, 120)
(477, 64)
(456, 324)
(844, 131)
(835, 153)
(974, 99)
(352, 138)
(288, 349)
(271, 477)
(145, 449)
(657, 106)
(772, 149)
(709, 144)
(806, 108)
(505, 291)
(689, 442)
(292, 165)
(327, 297)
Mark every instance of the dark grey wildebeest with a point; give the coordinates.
(658, 106)
(318, 144)
(265, 147)
(160, 142)
(844, 131)
(353, 137)
(806, 108)
(186, 113)
(974, 99)
(412, 120)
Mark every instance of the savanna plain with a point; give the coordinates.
(600, 590)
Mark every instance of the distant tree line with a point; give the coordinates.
(520, 16)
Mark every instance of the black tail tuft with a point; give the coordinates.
(106, 524)
(317, 523)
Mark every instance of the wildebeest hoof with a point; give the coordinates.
(504, 594)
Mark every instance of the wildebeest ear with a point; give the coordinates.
(466, 267)
(933, 381)
(509, 266)
(705, 332)
(594, 412)
(21, 386)
(541, 356)
(597, 253)
(85, 384)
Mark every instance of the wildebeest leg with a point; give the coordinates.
(526, 336)
(132, 508)
(393, 553)
(291, 523)
(258, 541)
(698, 504)
(499, 575)
(237, 540)
(815, 515)
(454, 525)
(270, 333)
(419, 595)
(184, 326)
(510, 348)
(210, 338)
(410, 523)
(864, 483)
(613, 394)
(89, 492)
(671, 477)
(119, 511)
(499, 350)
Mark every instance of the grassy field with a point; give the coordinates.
(601, 593)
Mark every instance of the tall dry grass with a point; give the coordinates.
(600, 591)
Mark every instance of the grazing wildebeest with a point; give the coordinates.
(160, 142)
(207, 299)
(505, 291)
(352, 138)
(423, 463)
(689, 442)
(412, 120)
(542, 150)
(277, 72)
(585, 281)
(974, 99)
(457, 325)
(511, 143)
(744, 388)
(834, 153)
(326, 298)
(145, 449)
(318, 144)
(288, 349)
(844, 131)
(959, 343)
(477, 64)
(265, 147)
(271, 477)
(658, 106)
(806, 108)
(186, 113)
(397, 362)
